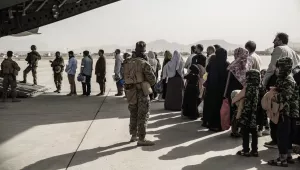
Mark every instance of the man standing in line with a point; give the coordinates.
(100, 72)
(139, 77)
(32, 58)
(58, 66)
(9, 70)
(188, 62)
(71, 70)
(117, 71)
(210, 53)
(199, 58)
(281, 49)
(86, 71)
(251, 47)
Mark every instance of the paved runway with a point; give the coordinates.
(54, 132)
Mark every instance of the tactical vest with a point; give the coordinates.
(133, 71)
(7, 67)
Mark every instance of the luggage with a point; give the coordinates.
(159, 87)
(225, 109)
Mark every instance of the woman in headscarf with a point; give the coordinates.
(173, 73)
(191, 93)
(237, 80)
(153, 63)
(167, 59)
(215, 86)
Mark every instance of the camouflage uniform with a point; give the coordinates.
(58, 68)
(9, 69)
(137, 71)
(32, 59)
(248, 115)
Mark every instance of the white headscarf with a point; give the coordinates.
(152, 60)
(175, 65)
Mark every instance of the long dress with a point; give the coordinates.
(191, 97)
(215, 87)
(174, 94)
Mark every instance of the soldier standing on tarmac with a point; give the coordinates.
(139, 77)
(58, 67)
(9, 70)
(32, 58)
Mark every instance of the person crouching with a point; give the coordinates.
(248, 115)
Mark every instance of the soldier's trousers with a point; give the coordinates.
(139, 115)
(9, 80)
(58, 77)
(33, 71)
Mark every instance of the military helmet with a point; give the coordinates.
(253, 77)
(33, 47)
(57, 69)
(140, 46)
(285, 66)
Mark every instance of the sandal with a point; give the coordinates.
(278, 162)
(242, 153)
(254, 154)
(290, 160)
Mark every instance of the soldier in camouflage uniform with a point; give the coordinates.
(58, 68)
(137, 73)
(9, 70)
(248, 115)
(32, 58)
(286, 88)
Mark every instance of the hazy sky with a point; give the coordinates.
(182, 21)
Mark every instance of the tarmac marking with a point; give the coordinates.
(87, 130)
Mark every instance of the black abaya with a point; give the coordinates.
(216, 82)
(191, 97)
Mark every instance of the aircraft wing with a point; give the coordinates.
(17, 17)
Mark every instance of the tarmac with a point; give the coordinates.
(55, 132)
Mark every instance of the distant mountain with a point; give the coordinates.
(228, 46)
(162, 45)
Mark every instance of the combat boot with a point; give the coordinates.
(24, 81)
(134, 138)
(145, 143)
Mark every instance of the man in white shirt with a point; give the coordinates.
(281, 49)
(251, 47)
(188, 62)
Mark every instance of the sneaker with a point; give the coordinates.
(266, 132)
(259, 133)
(145, 143)
(271, 144)
(134, 138)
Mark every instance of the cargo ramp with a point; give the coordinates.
(25, 90)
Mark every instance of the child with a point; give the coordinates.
(247, 120)
(191, 94)
(285, 87)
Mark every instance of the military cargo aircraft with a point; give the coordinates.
(24, 17)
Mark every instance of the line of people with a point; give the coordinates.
(232, 93)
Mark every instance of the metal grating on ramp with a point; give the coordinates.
(25, 90)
